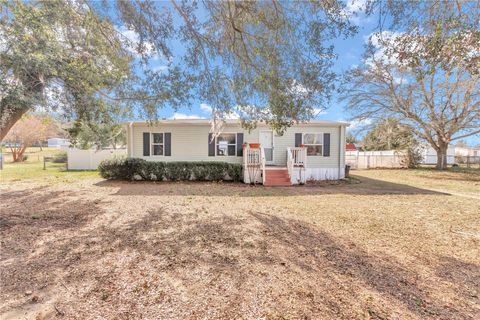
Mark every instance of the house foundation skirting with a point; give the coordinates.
(303, 175)
(300, 175)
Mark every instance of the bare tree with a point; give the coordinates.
(426, 76)
(27, 131)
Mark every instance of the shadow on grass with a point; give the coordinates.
(452, 174)
(465, 276)
(367, 186)
(226, 264)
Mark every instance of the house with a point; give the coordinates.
(307, 151)
(461, 151)
(429, 155)
(58, 142)
(350, 147)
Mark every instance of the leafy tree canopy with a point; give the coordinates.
(389, 134)
(350, 138)
(88, 135)
(268, 60)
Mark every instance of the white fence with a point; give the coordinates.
(430, 155)
(90, 159)
(374, 159)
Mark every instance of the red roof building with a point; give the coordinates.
(350, 147)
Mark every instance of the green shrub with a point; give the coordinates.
(235, 172)
(60, 158)
(178, 171)
(134, 168)
(120, 168)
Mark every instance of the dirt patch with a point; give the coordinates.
(117, 250)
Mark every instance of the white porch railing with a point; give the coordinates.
(263, 164)
(296, 158)
(254, 164)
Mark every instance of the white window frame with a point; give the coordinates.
(228, 144)
(157, 144)
(316, 144)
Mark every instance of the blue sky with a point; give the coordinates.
(349, 53)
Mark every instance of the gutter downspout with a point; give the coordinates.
(130, 143)
(340, 139)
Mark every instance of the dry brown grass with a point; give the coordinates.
(384, 248)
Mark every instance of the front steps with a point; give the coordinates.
(277, 177)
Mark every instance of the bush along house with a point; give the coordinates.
(307, 151)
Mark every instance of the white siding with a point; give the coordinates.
(190, 143)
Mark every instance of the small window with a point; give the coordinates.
(226, 144)
(157, 144)
(314, 143)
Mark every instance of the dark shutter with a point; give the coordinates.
(239, 144)
(168, 144)
(146, 144)
(298, 139)
(326, 144)
(211, 145)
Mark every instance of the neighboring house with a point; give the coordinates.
(467, 152)
(309, 151)
(350, 147)
(58, 142)
(430, 155)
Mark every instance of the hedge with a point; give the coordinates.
(134, 168)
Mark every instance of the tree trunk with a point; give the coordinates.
(17, 153)
(8, 121)
(442, 157)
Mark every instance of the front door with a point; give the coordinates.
(266, 141)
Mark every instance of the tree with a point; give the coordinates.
(270, 60)
(425, 75)
(54, 54)
(350, 138)
(29, 130)
(389, 134)
(99, 135)
(462, 144)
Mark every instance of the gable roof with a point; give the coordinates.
(234, 121)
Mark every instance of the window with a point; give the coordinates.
(157, 144)
(226, 144)
(314, 143)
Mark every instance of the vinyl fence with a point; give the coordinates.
(90, 159)
(394, 159)
(468, 161)
(374, 159)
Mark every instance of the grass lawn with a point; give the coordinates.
(32, 171)
(34, 154)
(389, 244)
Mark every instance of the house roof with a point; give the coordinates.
(350, 147)
(235, 121)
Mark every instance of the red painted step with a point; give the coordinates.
(277, 177)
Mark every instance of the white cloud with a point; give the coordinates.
(319, 111)
(356, 124)
(205, 108)
(179, 115)
(298, 89)
(232, 115)
(160, 68)
(133, 41)
(354, 11)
